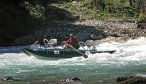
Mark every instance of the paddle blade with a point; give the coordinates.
(85, 56)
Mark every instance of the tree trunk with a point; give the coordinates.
(131, 2)
(99, 4)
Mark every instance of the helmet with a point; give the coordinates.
(71, 35)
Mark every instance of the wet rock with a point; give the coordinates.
(131, 80)
(120, 79)
(72, 80)
(8, 78)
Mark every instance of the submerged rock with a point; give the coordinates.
(131, 80)
(8, 78)
(72, 80)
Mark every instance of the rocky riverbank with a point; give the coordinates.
(86, 30)
(22, 23)
(75, 80)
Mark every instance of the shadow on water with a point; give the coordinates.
(12, 49)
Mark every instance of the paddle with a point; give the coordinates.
(84, 55)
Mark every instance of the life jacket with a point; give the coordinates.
(73, 41)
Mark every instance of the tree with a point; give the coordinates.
(99, 4)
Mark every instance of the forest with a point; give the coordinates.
(94, 9)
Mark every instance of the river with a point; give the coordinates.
(101, 68)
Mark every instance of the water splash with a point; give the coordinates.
(132, 50)
(130, 53)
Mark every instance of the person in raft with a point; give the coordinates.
(71, 41)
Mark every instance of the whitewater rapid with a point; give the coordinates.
(131, 53)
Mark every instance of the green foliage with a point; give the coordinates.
(79, 8)
(141, 15)
(87, 2)
(120, 9)
(35, 11)
(104, 15)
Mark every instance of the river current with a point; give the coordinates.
(101, 68)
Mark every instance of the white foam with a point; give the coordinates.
(132, 51)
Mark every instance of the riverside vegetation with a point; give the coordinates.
(25, 21)
(30, 20)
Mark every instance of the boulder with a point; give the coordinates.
(72, 80)
(83, 36)
(8, 78)
(131, 80)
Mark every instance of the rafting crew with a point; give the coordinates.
(71, 41)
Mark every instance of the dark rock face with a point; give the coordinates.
(58, 14)
(18, 27)
(15, 21)
(131, 80)
(61, 32)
